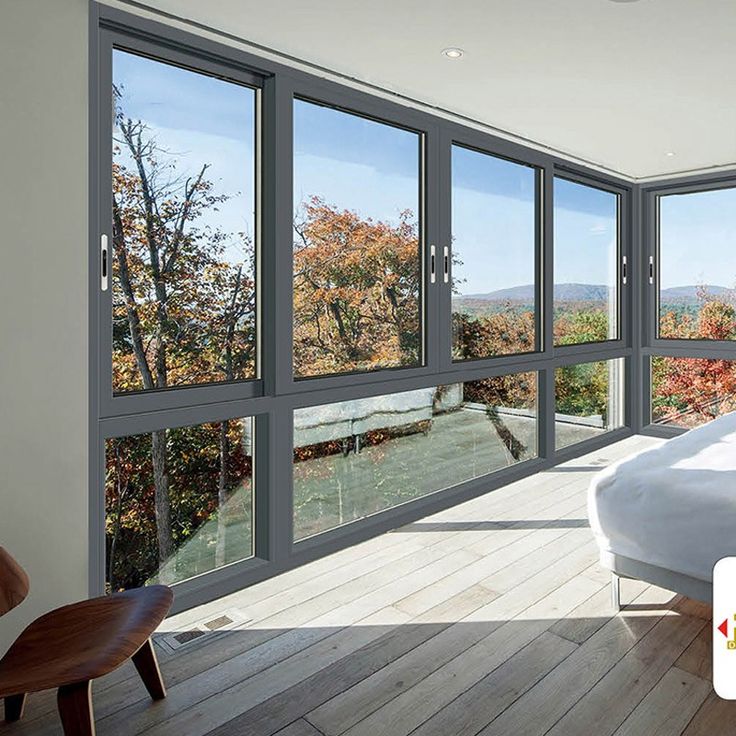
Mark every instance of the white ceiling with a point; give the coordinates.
(616, 83)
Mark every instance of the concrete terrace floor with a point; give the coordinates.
(334, 490)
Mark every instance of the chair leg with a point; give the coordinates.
(14, 705)
(75, 709)
(147, 665)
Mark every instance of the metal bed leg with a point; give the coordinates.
(615, 592)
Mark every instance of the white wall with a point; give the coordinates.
(43, 300)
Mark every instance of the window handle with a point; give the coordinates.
(651, 269)
(446, 263)
(104, 264)
(624, 270)
(432, 258)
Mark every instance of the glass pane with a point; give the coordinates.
(697, 265)
(355, 458)
(178, 502)
(357, 263)
(687, 392)
(493, 294)
(183, 262)
(586, 264)
(589, 400)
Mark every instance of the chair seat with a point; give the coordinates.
(82, 641)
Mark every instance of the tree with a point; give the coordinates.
(356, 291)
(581, 325)
(691, 391)
(182, 313)
(501, 333)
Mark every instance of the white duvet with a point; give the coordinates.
(673, 506)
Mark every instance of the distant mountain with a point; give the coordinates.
(594, 293)
(525, 294)
(689, 294)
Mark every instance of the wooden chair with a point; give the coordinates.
(71, 646)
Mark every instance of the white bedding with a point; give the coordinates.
(673, 506)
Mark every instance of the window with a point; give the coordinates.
(588, 400)
(183, 240)
(697, 265)
(357, 233)
(586, 299)
(371, 186)
(178, 502)
(494, 285)
(355, 458)
(688, 392)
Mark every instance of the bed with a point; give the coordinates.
(667, 514)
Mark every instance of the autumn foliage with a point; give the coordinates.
(184, 313)
(356, 291)
(690, 391)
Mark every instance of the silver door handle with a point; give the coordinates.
(104, 262)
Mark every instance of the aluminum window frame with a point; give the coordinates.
(324, 94)
(623, 250)
(455, 135)
(651, 344)
(273, 397)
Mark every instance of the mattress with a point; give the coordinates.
(673, 506)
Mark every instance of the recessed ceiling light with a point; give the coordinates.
(670, 154)
(453, 53)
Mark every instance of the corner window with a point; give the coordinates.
(688, 392)
(697, 265)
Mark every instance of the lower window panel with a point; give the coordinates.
(589, 400)
(178, 502)
(688, 392)
(356, 458)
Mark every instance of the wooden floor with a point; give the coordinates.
(489, 618)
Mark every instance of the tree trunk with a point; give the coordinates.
(121, 491)
(221, 498)
(162, 502)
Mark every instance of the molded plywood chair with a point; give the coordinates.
(71, 646)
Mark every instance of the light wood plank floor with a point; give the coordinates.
(490, 618)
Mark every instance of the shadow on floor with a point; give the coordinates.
(458, 526)
(257, 681)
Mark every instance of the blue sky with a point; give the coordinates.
(698, 238)
(198, 119)
(363, 165)
(585, 232)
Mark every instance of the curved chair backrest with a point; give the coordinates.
(14, 583)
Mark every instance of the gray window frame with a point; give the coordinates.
(651, 344)
(272, 398)
(323, 93)
(456, 135)
(623, 248)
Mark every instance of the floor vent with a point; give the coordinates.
(206, 629)
(218, 622)
(186, 636)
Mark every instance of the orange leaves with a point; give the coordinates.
(356, 291)
(189, 304)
